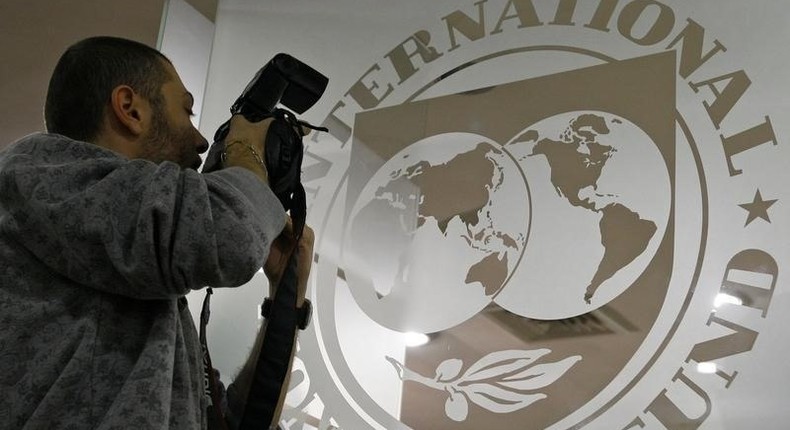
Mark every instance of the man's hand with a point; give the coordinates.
(274, 268)
(281, 250)
(253, 133)
(244, 145)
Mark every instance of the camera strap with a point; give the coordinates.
(274, 358)
(210, 384)
(282, 322)
(284, 144)
(275, 355)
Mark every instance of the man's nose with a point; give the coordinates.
(202, 144)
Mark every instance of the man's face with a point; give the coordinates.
(172, 137)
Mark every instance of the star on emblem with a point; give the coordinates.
(758, 208)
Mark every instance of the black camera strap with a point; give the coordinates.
(282, 321)
(275, 355)
(277, 348)
(284, 144)
(274, 358)
(210, 383)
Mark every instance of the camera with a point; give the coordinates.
(287, 81)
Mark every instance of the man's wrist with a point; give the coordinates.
(232, 145)
(240, 153)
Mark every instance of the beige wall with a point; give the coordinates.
(33, 33)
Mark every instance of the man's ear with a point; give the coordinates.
(130, 109)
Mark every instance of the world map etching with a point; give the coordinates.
(455, 230)
(576, 162)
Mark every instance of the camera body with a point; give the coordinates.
(287, 81)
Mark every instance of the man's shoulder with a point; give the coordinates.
(55, 147)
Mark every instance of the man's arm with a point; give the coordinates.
(132, 227)
(275, 265)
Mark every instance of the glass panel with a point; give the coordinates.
(530, 214)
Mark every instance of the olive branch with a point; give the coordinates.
(501, 382)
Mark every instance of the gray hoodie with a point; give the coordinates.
(96, 255)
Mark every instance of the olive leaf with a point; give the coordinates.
(539, 375)
(499, 400)
(502, 362)
(501, 382)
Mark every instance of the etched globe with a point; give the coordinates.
(601, 201)
(436, 232)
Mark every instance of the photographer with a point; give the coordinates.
(105, 226)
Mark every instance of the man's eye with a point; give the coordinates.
(190, 112)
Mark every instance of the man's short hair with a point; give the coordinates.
(83, 80)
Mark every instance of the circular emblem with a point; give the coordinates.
(538, 208)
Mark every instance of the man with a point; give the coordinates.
(105, 226)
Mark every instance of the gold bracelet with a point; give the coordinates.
(246, 145)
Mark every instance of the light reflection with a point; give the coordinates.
(415, 339)
(706, 367)
(723, 298)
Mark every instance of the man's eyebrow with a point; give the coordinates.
(189, 97)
